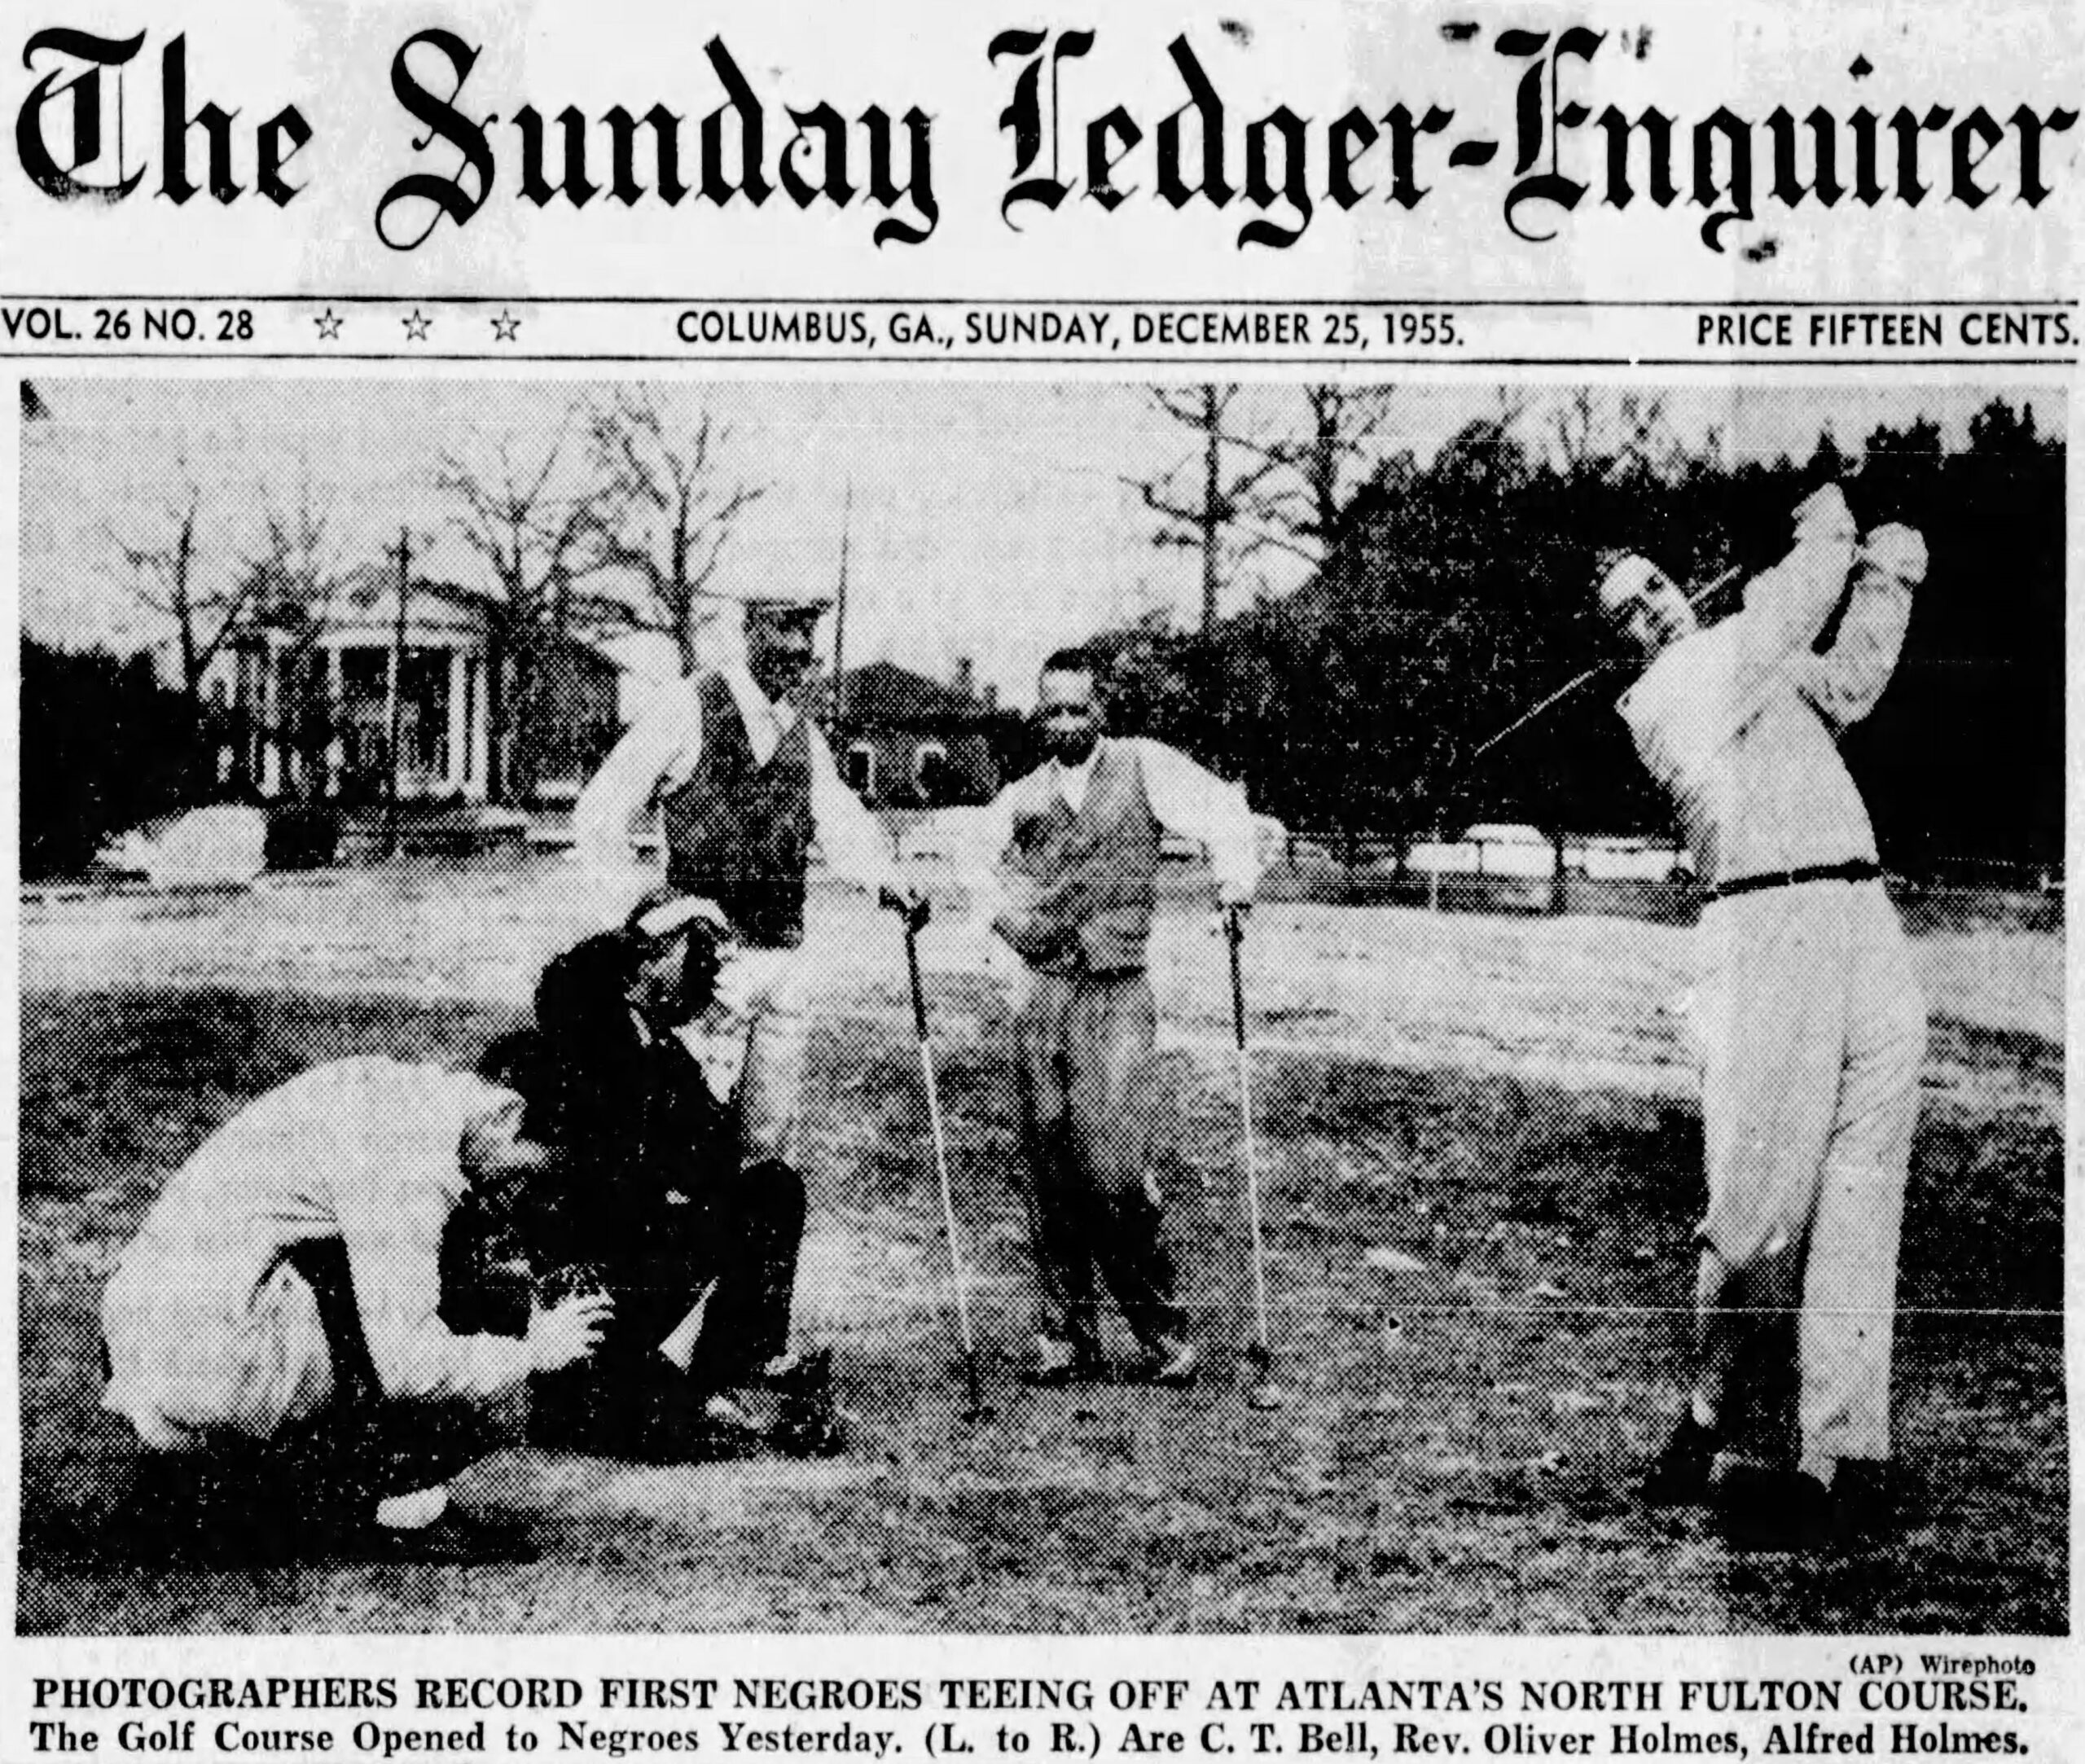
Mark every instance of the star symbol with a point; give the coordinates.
(416, 326)
(505, 327)
(329, 325)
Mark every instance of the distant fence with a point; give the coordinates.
(1505, 868)
(1494, 867)
(1505, 851)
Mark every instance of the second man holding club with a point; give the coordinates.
(1065, 866)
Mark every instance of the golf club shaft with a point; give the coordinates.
(1695, 598)
(1527, 716)
(940, 1141)
(1235, 934)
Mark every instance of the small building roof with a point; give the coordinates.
(882, 694)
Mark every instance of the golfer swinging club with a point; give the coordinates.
(1079, 836)
(1810, 1018)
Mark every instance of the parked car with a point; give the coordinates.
(1604, 859)
(1491, 848)
(1269, 841)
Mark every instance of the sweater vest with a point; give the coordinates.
(739, 833)
(1092, 872)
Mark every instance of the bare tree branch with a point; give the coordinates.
(162, 577)
(668, 509)
(1288, 496)
(539, 537)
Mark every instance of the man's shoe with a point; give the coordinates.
(1760, 1508)
(1864, 1500)
(1057, 1363)
(1172, 1362)
(455, 1539)
(799, 1375)
(736, 1423)
(1680, 1476)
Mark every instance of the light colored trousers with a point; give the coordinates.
(752, 1044)
(1812, 1028)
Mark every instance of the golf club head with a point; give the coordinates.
(975, 1409)
(1256, 1371)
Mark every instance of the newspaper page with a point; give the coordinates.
(1039, 881)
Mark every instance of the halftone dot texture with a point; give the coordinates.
(1482, 1162)
(1479, 1134)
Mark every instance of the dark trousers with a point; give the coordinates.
(738, 1238)
(742, 1230)
(362, 1446)
(752, 1219)
(1085, 1044)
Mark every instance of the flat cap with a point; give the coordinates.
(786, 608)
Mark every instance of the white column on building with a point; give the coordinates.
(457, 775)
(336, 705)
(480, 729)
(268, 691)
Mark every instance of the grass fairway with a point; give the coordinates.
(1504, 1102)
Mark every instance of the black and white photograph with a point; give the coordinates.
(1025, 1006)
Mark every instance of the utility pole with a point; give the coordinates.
(840, 620)
(397, 705)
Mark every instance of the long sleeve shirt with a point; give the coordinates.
(1186, 800)
(659, 752)
(210, 1331)
(1738, 722)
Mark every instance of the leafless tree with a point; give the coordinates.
(290, 587)
(1248, 491)
(1632, 435)
(1199, 501)
(1574, 423)
(164, 573)
(1319, 469)
(668, 506)
(540, 533)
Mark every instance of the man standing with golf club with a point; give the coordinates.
(1064, 866)
(1810, 1020)
(743, 785)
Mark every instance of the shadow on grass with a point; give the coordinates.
(1455, 1452)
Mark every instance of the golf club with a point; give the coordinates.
(1695, 598)
(927, 1073)
(1259, 1353)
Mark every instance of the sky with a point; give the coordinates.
(989, 520)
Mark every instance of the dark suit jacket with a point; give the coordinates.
(645, 1142)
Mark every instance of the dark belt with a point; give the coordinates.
(1860, 870)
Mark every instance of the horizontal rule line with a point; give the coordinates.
(1996, 303)
(1106, 360)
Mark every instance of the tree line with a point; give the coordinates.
(1436, 601)
(1444, 599)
